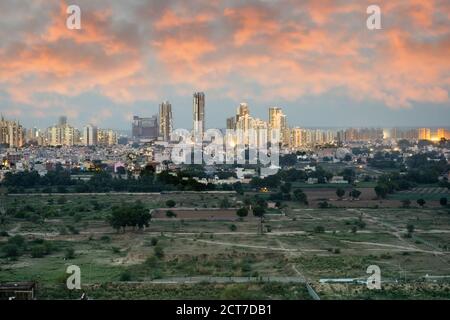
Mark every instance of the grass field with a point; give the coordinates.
(303, 242)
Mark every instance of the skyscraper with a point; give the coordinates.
(199, 114)
(165, 120)
(145, 128)
(278, 122)
(11, 133)
(424, 134)
(90, 135)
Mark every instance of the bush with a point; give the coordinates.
(159, 252)
(69, 254)
(154, 241)
(233, 227)
(38, 251)
(115, 250)
(171, 214)
(10, 250)
(125, 276)
(106, 239)
(323, 205)
(421, 202)
(242, 212)
(17, 240)
(443, 201)
(319, 229)
(4, 234)
(170, 203)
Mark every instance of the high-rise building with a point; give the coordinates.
(12, 133)
(297, 140)
(90, 135)
(145, 128)
(231, 123)
(199, 115)
(165, 120)
(278, 122)
(106, 137)
(424, 134)
(62, 134)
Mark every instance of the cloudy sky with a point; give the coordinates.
(314, 58)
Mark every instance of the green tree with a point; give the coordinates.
(355, 194)
(340, 193)
(259, 212)
(171, 214)
(69, 253)
(410, 228)
(300, 196)
(10, 250)
(381, 190)
(242, 212)
(443, 201)
(170, 203)
(421, 202)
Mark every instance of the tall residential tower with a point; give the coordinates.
(199, 114)
(165, 120)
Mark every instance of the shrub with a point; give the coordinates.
(17, 240)
(159, 252)
(10, 250)
(233, 227)
(242, 212)
(125, 276)
(4, 234)
(323, 205)
(319, 229)
(38, 251)
(154, 241)
(106, 239)
(170, 203)
(421, 202)
(171, 214)
(69, 254)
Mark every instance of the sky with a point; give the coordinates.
(315, 59)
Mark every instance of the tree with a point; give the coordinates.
(319, 229)
(443, 201)
(69, 254)
(10, 250)
(355, 194)
(381, 190)
(171, 214)
(259, 212)
(421, 202)
(340, 193)
(286, 188)
(410, 228)
(170, 203)
(242, 212)
(300, 196)
(159, 252)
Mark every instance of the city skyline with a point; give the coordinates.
(311, 59)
